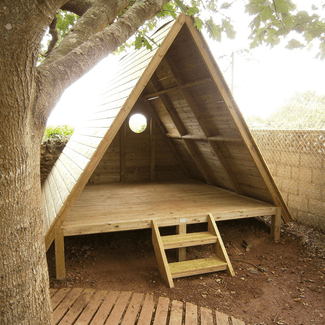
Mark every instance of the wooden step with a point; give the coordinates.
(189, 239)
(195, 267)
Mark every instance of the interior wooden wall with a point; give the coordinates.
(137, 156)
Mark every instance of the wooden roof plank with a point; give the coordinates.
(81, 148)
(87, 140)
(71, 167)
(46, 224)
(65, 173)
(49, 203)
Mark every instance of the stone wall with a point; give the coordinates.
(50, 152)
(296, 160)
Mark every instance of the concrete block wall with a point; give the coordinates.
(299, 171)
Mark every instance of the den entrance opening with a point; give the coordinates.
(138, 123)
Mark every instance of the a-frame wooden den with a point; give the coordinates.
(196, 161)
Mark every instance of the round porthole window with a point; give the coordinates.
(138, 123)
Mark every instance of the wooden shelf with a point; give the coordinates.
(194, 267)
(189, 239)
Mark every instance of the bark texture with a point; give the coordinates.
(24, 290)
(27, 96)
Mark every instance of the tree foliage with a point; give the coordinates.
(305, 110)
(277, 19)
(59, 132)
(272, 21)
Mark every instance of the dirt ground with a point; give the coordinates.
(281, 283)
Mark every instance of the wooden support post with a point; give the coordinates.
(59, 254)
(122, 152)
(181, 229)
(152, 150)
(276, 225)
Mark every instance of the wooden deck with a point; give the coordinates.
(128, 206)
(88, 306)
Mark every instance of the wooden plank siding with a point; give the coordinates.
(195, 129)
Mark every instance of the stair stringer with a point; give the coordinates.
(219, 246)
(161, 255)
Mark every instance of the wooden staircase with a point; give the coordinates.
(170, 271)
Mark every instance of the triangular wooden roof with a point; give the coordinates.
(195, 110)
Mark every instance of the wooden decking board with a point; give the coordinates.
(161, 311)
(65, 304)
(146, 311)
(129, 206)
(105, 308)
(176, 313)
(133, 309)
(52, 292)
(128, 308)
(222, 319)
(236, 321)
(206, 316)
(190, 314)
(76, 309)
(118, 310)
(91, 309)
(59, 296)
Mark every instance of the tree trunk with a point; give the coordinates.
(24, 290)
(24, 285)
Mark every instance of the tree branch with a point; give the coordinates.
(101, 14)
(53, 31)
(277, 16)
(56, 77)
(78, 7)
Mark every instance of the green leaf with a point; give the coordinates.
(65, 20)
(294, 44)
(192, 11)
(146, 44)
(138, 42)
(266, 14)
(271, 32)
(180, 4)
(225, 5)
(213, 30)
(198, 23)
(287, 21)
(169, 9)
(252, 8)
(282, 6)
(228, 28)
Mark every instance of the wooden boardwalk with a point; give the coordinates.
(92, 307)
